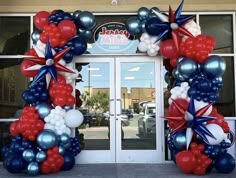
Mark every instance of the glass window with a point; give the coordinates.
(220, 27)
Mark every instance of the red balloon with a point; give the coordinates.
(59, 101)
(41, 19)
(168, 49)
(186, 161)
(13, 129)
(173, 110)
(26, 64)
(67, 28)
(70, 100)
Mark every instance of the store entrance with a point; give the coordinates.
(122, 109)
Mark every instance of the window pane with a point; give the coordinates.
(226, 101)
(12, 84)
(15, 35)
(220, 27)
(5, 137)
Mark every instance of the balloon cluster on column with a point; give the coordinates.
(42, 140)
(199, 136)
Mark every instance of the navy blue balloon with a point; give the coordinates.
(214, 66)
(79, 46)
(153, 26)
(133, 25)
(68, 57)
(67, 16)
(179, 139)
(69, 161)
(86, 34)
(225, 163)
(14, 163)
(205, 85)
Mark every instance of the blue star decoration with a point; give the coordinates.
(196, 122)
(171, 25)
(48, 64)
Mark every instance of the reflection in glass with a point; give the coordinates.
(138, 117)
(5, 137)
(93, 84)
(220, 27)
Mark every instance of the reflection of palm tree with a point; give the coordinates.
(85, 98)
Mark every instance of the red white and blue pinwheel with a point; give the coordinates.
(49, 64)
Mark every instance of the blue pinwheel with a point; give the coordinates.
(171, 25)
(49, 64)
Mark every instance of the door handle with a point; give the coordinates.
(110, 107)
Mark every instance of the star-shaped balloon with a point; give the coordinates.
(48, 64)
(196, 122)
(173, 24)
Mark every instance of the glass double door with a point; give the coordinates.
(121, 104)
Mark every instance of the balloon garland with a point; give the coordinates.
(199, 136)
(42, 141)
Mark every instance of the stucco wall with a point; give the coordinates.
(33, 6)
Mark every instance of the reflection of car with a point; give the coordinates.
(147, 119)
(123, 117)
(127, 112)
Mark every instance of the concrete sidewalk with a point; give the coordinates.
(120, 171)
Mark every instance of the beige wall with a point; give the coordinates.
(33, 6)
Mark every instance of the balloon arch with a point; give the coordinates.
(199, 136)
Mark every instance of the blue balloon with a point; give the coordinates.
(64, 140)
(69, 161)
(143, 13)
(40, 156)
(225, 163)
(187, 68)
(179, 139)
(151, 13)
(153, 26)
(79, 46)
(35, 37)
(61, 150)
(14, 163)
(28, 155)
(33, 169)
(47, 139)
(214, 66)
(76, 15)
(86, 20)
(68, 57)
(86, 34)
(204, 85)
(133, 25)
(43, 109)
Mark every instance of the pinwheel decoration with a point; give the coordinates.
(49, 64)
(172, 24)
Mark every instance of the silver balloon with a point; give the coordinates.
(87, 20)
(143, 13)
(214, 66)
(76, 14)
(151, 13)
(187, 68)
(47, 139)
(33, 169)
(177, 75)
(64, 139)
(142, 25)
(133, 25)
(40, 156)
(87, 34)
(43, 109)
(35, 37)
(28, 155)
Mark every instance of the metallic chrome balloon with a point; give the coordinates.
(64, 139)
(33, 169)
(87, 20)
(76, 14)
(61, 150)
(133, 25)
(187, 68)
(179, 139)
(151, 13)
(35, 36)
(40, 156)
(87, 34)
(47, 139)
(214, 66)
(143, 13)
(177, 75)
(28, 155)
(43, 109)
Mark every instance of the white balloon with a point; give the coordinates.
(142, 47)
(145, 36)
(152, 52)
(200, 104)
(218, 133)
(73, 118)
